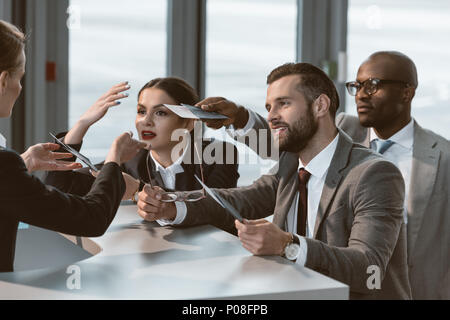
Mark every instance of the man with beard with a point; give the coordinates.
(384, 88)
(337, 206)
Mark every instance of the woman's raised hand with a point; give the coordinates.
(124, 148)
(96, 112)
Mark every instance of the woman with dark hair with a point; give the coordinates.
(160, 164)
(24, 197)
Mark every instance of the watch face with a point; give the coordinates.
(292, 251)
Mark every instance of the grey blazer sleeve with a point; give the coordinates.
(25, 198)
(351, 126)
(253, 202)
(376, 202)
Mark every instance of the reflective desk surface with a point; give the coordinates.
(139, 260)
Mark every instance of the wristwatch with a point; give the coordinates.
(292, 249)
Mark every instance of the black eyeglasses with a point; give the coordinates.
(182, 196)
(370, 85)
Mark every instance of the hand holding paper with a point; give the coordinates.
(236, 115)
(191, 112)
(83, 158)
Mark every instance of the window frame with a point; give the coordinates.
(186, 43)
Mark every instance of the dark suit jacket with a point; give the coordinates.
(428, 228)
(359, 221)
(216, 175)
(25, 198)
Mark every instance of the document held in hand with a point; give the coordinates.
(223, 203)
(75, 153)
(191, 112)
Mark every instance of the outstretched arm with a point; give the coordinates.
(243, 125)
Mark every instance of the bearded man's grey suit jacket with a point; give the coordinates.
(359, 221)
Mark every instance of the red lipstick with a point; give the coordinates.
(148, 135)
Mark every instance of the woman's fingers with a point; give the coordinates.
(118, 96)
(119, 88)
(50, 146)
(60, 155)
(255, 222)
(115, 90)
(151, 196)
(64, 166)
(147, 215)
(111, 104)
(67, 163)
(148, 207)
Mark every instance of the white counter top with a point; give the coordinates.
(140, 260)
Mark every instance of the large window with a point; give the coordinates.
(113, 41)
(246, 39)
(418, 29)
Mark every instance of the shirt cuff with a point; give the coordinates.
(181, 215)
(301, 260)
(244, 131)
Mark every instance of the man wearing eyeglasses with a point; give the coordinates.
(337, 206)
(384, 88)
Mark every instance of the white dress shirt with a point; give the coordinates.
(400, 154)
(168, 174)
(318, 168)
(168, 177)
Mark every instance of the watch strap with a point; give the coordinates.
(295, 239)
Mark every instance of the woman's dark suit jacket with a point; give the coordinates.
(216, 175)
(25, 198)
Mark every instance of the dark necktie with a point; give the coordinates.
(303, 177)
